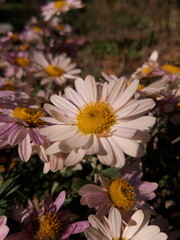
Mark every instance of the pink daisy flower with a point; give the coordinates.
(3, 227)
(20, 126)
(46, 221)
(102, 119)
(126, 193)
(113, 228)
(17, 64)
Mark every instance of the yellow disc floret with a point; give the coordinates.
(60, 4)
(8, 86)
(29, 115)
(171, 69)
(49, 228)
(95, 118)
(122, 194)
(146, 70)
(54, 71)
(22, 61)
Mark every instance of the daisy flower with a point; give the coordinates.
(112, 228)
(100, 119)
(3, 227)
(46, 221)
(17, 64)
(147, 68)
(154, 89)
(58, 69)
(19, 126)
(126, 193)
(57, 7)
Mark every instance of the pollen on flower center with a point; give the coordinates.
(95, 118)
(140, 87)
(49, 228)
(60, 4)
(171, 69)
(21, 61)
(29, 115)
(54, 71)
(8, 86)
(122, 194)
(146, 70)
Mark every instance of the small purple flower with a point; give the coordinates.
(127, 193)
(46, 221)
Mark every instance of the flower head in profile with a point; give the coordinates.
(113, 228)
(58, 69)
(3, 227)
(47, 221)
(58, 161)
(20, 126)
(59, 6)
(127, 192)
(153, 90)
(102, 119)
(148, 68)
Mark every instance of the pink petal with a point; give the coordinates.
(60, 200)
(25, 149)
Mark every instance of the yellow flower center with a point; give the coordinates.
(37, 29)
(54, 71)
(146, 70)
(15, 36)
(49, 228)
(60, 4)
(95, 118)
(140, 86)
(24, 47)
(171, 69)
(8, 86)
(122, 194)
(21, 61)
(29, 115)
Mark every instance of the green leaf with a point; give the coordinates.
(111, 172)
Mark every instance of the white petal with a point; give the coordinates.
(130, 147)
(126, 95)
(74, 97)
(147, 233)
(133, 225)
(64, 104)
(116, 90)
(74, 157)
(115, 222)
(90, 89)
(77, 140)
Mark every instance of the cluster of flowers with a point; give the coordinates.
(103, 120)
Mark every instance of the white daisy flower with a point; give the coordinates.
(57, 7)
(100, 119)
(112, 228)
(58, 69)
